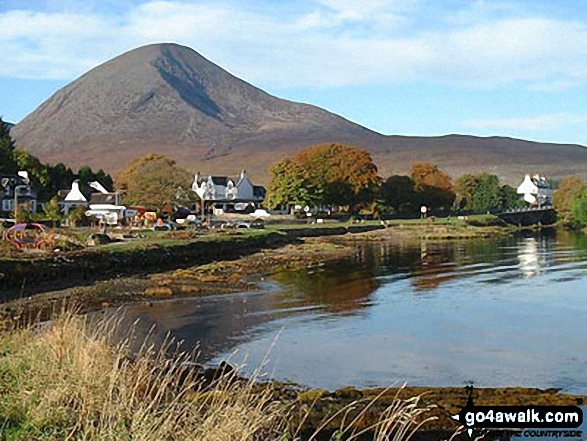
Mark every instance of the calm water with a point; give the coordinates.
(498, 313)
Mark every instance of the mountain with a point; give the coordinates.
(169, 99)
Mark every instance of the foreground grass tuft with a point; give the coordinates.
(75, 379)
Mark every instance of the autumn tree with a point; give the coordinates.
(579, 209)
(152, 181)
(564, 199)
(434, 187)
(325, 174)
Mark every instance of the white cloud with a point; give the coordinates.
(540, 123)
(330, 43)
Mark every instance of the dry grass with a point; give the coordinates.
(75, 379)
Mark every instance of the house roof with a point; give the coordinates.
(9, 182)
(216, 180)
(220, 180)
(103, 198)
(259, 191)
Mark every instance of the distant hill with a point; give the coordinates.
(168, 99)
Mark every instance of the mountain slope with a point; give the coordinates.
(169, 99)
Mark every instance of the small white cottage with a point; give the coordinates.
(536, 190)
(99, 202)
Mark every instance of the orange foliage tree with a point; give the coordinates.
(333, 174)
(434, 187)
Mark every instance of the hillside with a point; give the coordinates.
(169, 99)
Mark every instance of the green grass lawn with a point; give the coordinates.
(452, 221)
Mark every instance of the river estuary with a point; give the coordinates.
(499, 312)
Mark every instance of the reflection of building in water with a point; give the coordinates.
(535, 256)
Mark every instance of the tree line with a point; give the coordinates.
(47, 179)
(340, 175)
(570, 201)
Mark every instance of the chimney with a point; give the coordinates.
(196, 184)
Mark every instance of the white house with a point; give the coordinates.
(227, 193)
(101, 203)
(105, 205)
(536, 190)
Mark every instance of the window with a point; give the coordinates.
(6, 204)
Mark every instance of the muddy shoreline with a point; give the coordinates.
(242, 273)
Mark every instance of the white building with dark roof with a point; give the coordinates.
(536, 190)
(99, 202)
(228, 194)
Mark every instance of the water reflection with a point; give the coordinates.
(500, 312)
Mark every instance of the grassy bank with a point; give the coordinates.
(78, 380)
(451, 228)
(446, 228)
(28, 275)
(74, 380)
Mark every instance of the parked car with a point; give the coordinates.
(258, 224)
(194, 224)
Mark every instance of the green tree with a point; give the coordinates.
(290, 185)
(7, 147)
(104, 179)
(47, 179)
(152, 181)
(465, 187)
(488, 195)
(483, 192)
(85, 174)
(509, 197)
(75, 216)
(399, 194)
(52, 210)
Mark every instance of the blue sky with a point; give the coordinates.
(411, 67)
